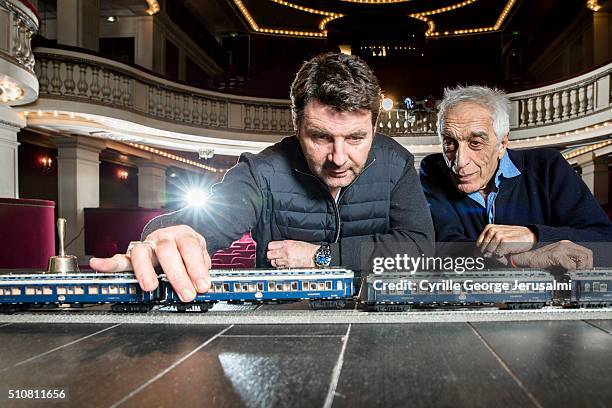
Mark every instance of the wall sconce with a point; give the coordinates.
(123, 176)
(45, 164)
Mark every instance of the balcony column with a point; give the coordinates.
(10, 123)
(595, 175)
(151, 184)
(78, 165)
(78, 23)
(601, 37)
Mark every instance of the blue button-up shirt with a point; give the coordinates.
(505, 170)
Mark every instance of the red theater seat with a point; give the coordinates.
(28, 233)
(240, 254)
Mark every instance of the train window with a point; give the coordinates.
(304, 285)
(595, 286)
(328, 285)
(104, 290)
(237, 287)
(29, 291)
(47, 290)
(587, 287)
(270, 286)
(132, 289)
(313, 285)
(603, 287)
(2, 292)
(218, 288)
(78, 290)
(113, 290)
(252, 287)
(15, 291)
(122, 290)
(294, 286)
(70, 290)
(260, 286)
(279, 287)
(39, 291)
(286, 287)
(321, 285)
(226, 287)
(61, 290)
(92, 290)
(339, 285)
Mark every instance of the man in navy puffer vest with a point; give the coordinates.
(325, 196)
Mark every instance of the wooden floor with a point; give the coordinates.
(473, 364)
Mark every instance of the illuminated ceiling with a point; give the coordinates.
(309, 18)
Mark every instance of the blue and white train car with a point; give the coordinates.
(592, 288)
(20, 290)
(328, 287)
(402, 291)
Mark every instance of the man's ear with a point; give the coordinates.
(503, 145)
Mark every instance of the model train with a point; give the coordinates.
(324, 288)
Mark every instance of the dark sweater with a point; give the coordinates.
(548, 197)
(274, 195)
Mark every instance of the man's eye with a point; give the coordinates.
(475, 144)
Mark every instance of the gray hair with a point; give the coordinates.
(492, 99)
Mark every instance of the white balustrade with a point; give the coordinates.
(564, 101)
(86, 78)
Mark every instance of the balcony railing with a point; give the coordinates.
(564, 101)
(16, 57)
(401, 122)
(90, 80)
(74, 76)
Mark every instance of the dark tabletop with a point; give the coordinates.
(476, 364)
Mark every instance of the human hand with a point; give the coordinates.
(179, 250)
(500, 240)
(291, 254)
(565, 254)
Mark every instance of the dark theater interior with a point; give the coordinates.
(273, 203)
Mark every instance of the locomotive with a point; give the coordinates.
(324, 288)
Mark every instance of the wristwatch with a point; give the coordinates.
(322, 257)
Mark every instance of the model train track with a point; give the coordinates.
(308, 316)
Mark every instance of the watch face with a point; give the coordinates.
(322, 259)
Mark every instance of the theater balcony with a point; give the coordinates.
(89, 95)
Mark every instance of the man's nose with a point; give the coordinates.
(338, 153)
(462, 158)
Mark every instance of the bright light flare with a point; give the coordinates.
(196, 198)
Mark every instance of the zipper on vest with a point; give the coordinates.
(336, 207)
(337, 204)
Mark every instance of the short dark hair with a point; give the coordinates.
(344, 82)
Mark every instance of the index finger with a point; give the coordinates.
(142, 257)
(483, 234)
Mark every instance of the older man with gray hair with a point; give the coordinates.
(526, 208)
